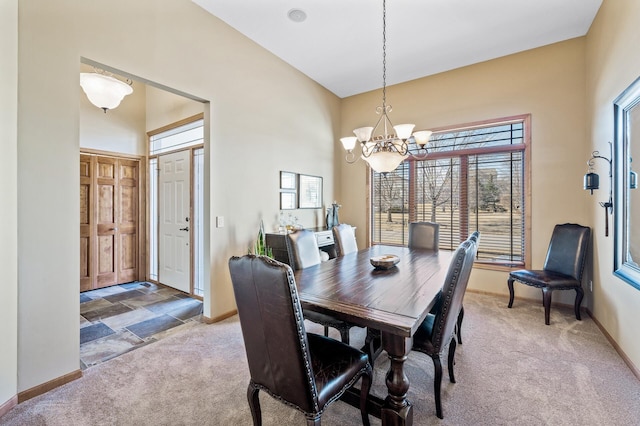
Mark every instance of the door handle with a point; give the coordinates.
(186, 228)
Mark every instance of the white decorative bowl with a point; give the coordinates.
(386, 261)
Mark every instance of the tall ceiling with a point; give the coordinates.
(339, 44)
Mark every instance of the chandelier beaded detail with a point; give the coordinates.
(382, 149)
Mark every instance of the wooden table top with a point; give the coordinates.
(395, 300)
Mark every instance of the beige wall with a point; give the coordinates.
(264, 115)
(8, 191)
(547, 83)
(164, 108)
(612, 64)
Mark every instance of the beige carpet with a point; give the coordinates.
(511, 369)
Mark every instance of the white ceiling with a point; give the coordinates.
(339, 45)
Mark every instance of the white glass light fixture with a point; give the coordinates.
(383, 149)
(104, 91)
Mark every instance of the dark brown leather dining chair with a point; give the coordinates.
(438, 328)
(304, 248)
(304, 370)
(562, 268)
(426, 235)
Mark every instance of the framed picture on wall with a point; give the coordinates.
(309, 192)
(287, 200)
(288, 190)
(287, 180)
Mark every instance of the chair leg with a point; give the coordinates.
(510, 285)
(546, 301)
(254, 404)
(365, 387)
(451, 360)
(460, 318)
(437, 381)
(344, 335)
(313, 421)
(579, 296)
(326, 331)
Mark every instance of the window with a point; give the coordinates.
(474, 177)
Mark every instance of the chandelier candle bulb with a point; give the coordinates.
(422, 137)
(349, 142)
(403, 131)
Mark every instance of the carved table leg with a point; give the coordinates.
(397, 410)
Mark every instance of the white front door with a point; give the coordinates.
(174, 184)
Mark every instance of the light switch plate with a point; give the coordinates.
(219, 221)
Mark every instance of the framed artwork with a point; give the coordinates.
(287, 180)
(309, 192)
(287, 200)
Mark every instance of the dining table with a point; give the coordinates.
(392, 300)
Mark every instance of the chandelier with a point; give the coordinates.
(382, 149)
(104, 91)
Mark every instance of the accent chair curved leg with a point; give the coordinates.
(254, 404)
(459, 324)
(437, 381)
(451, 360)
(365, 387)
(510, 285)
(579, 296)
(546, 301)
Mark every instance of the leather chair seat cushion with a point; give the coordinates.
(334, 366)
(542, 278)
(422, 337)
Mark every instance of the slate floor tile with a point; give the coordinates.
(106, 312)
(152, 326)
(170, 304)
(108, 347)
(134, 316)
(93, 305)
(187, 310)
(118, 319)
(94, 332)
(125, 295)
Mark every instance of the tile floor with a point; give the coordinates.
(117, 319)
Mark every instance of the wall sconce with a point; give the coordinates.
(592, 181)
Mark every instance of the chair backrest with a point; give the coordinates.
(568, 250)
(424, 235)
(345, 239)
(304, 248)
(273, 329)
(452, 293)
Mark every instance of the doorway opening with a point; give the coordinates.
(176, 208)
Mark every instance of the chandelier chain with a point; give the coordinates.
(384, 55)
